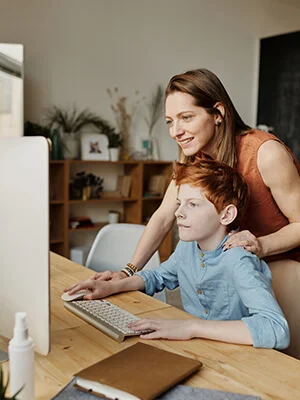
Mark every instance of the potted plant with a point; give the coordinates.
(114, 144)
(3, 388)
(70, 122)
(85, 186)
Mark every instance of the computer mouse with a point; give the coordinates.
(76, 296)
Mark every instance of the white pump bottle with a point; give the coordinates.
(21, 359)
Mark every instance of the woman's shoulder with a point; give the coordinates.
(254, 138)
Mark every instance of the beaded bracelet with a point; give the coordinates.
(132, 267)
(126, 272)
(129, 269)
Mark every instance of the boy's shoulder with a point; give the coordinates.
(239, 252)
(238, 257)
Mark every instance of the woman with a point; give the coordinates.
(205, 123)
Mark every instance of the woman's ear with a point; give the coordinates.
(228, 215)
(221, 114)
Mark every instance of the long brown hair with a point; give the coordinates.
(207, 90)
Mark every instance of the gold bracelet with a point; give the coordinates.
(132, 267)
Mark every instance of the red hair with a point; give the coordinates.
(221, 184)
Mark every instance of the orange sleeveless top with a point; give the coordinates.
(263, 216)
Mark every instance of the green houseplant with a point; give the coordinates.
(70, 122)
(4, 386)
(114, 145)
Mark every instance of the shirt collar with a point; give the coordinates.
(215, 252)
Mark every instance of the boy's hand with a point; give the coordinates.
(165, 328)
(99, 288)
(109, 275)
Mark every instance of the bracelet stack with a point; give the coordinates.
(130, 269)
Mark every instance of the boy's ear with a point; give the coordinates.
(228, 215)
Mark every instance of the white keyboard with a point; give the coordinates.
(105, 316)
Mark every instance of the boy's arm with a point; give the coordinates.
(225, 331)
(266, 322)
(102, 289)
(165, 276)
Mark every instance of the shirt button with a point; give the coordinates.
(202, 265)
(199, 291)
(201, 254)
(206, 311)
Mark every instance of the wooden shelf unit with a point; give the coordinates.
(137, 209)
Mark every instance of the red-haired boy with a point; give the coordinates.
(230, 291)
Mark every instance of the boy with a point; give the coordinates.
(230, 291)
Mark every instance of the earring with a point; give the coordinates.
(218, 123)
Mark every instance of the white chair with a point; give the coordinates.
(114, 246)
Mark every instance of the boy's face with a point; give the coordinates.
(197, 218)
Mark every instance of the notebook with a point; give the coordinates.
(140, 372)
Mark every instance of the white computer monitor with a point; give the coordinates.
(24, 236)
(11, 89)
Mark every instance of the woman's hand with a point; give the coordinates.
(109, 275)
(98, 288)
(244, 239)
(165, 328)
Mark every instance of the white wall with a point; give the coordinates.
(75, 49)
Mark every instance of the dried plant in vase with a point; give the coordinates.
(124, 117)
(154, 112)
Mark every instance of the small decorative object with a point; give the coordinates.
(94, 146)
(123, 119)
(57, 145)
(4, 386)
(113, 217)
(70, 122)
(80, 222)
(147, 149)
(154, 111)
(114, 145)
(85, 186)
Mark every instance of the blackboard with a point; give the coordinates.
(279, 88)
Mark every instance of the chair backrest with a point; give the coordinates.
(114, 246)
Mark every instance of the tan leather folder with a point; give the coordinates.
(139, 372)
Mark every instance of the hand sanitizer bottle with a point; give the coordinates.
(21, 359)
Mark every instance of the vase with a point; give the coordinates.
(114, 153)
(86, 193)
(71, 146)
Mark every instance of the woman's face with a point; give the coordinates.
(191, 126)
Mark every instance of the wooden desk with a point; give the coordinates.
(266, 373)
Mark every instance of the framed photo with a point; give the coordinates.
(94, 146)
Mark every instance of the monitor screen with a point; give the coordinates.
(11, 90)
(24, 233)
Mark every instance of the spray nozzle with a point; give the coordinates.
(21, 327)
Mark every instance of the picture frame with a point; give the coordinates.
(94, 146)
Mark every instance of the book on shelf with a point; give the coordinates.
(122, 190)
(156, 186)
(139, 372)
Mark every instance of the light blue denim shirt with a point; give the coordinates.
(224, 285)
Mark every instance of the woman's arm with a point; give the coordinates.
(156, 230)
(279, 173)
